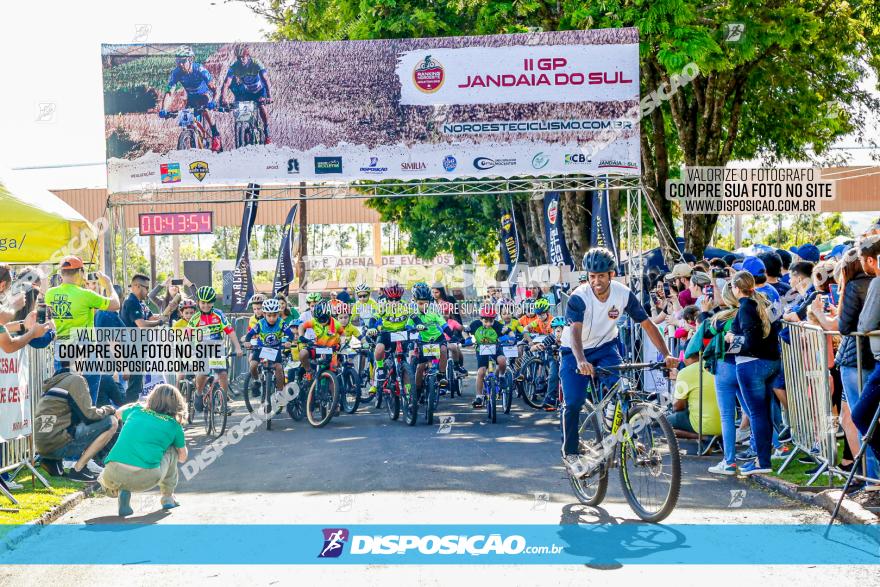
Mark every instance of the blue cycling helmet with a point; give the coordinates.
(599, 260)
(558, 322)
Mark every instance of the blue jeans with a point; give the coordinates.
(864, 410)
(756, 381)
(726, 392)
(574, 388)
(92, 380)
(852, 391)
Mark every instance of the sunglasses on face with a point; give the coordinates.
(363, 296)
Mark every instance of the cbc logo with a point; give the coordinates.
(574, 158)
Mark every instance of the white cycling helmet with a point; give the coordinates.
(271, 306)
(361, 288)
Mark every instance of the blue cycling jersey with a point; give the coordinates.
(194, 82)
(270, 335)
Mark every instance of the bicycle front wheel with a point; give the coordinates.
(534, 382)
(591, 489)
(507, 391)
(322, 399)
(351, 390)
(217, 409)
(650, 464)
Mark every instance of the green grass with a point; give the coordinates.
(35, 500)
(797, 472)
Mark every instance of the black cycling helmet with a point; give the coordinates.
(421, 292)
(599, 260)
(321, 313)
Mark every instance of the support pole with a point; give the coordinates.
(303, 240)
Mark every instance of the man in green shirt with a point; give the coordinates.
(73, 306)
(431, 327)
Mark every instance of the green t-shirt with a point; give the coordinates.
(434, 325)
(687, 386)
(74, 307)
(394, 316)
(145, 437)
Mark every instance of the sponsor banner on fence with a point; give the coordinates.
(489, 106)
(15, 398)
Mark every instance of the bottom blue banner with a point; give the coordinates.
(601, 544)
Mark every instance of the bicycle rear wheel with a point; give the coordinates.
(266, 403)
(507, 391)
(591, 489)
(322, 399)
(650, 464)
(430, 399)
(534, 382)
(186, 389)
(246, 390)
(492, 404)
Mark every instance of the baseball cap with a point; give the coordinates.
(680, 270)
(700, 279)
(753, 265)
(837, 251)
(71, 262)
(807, 252)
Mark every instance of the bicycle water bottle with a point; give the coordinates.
(609, 415)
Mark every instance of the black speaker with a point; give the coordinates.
(198, 272)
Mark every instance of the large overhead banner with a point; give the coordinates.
(533, 104)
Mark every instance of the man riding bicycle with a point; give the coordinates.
(215, 324)
(246, 77)
(270, 332)
(431, 327)
(591, 340)
(199, 87)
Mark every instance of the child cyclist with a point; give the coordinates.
(215, 324)
(365, 310)
(326, 330)
(486, 332)
(256, 304)
(270, 332)
(431, 327)
(551, 344)
(392, 318)
(187, 310)
(538, 319)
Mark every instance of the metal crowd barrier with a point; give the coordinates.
(19, 453)
(808, 388)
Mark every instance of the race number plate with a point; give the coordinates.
(538, 338)
(292, 364)
(269, 353)
(511, 352)
(217, 363)
(398, 336)
(486, 349)
(431, 350)
(323, 350)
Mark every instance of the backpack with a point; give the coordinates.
(714, 350)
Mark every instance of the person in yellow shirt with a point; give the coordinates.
(685, 419)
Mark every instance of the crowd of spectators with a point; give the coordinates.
(733, 315)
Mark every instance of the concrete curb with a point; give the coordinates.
(28, 529)
(850, 511)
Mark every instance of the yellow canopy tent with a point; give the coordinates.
(36, 226)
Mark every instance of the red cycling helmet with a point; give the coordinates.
(488, 312)
(393, 291)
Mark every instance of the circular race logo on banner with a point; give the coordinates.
(428, 75)
(551, 212)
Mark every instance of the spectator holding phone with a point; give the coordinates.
(869, 321)
(757, 364)
(73, 306)
(172, 297)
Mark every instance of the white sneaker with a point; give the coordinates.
(94, 467)
(13, 486)
(68, 464)
(577, 465)
(723, 468)
(743, 435)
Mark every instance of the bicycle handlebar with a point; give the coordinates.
(631, 367)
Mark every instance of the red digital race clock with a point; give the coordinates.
(160, 223)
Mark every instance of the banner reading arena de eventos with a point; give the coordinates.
(493, 106)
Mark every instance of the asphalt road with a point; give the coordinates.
(366, 469)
